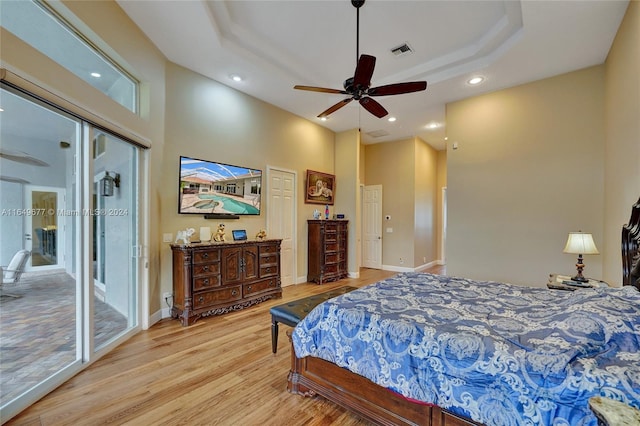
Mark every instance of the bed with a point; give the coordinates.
(426, 349)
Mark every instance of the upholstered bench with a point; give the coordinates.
(293, 312)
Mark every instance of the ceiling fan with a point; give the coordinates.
(358, 86)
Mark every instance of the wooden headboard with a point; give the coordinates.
(631, 248)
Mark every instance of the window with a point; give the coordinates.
(36, 24)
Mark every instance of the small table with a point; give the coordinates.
(556, 282)
(293, 312)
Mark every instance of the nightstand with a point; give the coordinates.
(556, 282)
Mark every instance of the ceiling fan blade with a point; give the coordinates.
(373, 107)
(398, 88)
(335, 107)
(320, 89)
(364, 71)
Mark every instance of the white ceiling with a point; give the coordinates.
(275, 45)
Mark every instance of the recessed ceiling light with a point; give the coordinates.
(1, 110)
(392, 119)
(446, 138)
(433, 125)
(236, 77)
(96, 74)
(475, 80)
(323, 118)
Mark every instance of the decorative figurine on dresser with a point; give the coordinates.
(327, 250)
(219, 277)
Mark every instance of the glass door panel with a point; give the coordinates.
(115, 237)
(39, 315)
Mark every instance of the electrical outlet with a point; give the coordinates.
(401, 261)
(424, 259)
(167, 238)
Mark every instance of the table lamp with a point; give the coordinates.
(580, 243)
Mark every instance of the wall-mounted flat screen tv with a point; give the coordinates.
(209, 187)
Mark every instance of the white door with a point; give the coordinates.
(44, 231)
(281, 219)
(372, 226)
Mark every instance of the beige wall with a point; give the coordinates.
(210, 121)
(622, 149)
(347, 197)
(441, 182)
(425, 204)
(407, 171)
(528, 171)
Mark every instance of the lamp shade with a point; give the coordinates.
(580, 243)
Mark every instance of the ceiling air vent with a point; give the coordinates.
(378, 133)
(403, 49)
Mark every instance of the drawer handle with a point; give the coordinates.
(271, 283)
(205, 255)
(205, 268)
(206, 281)
(234, 292)
(249, 288)
(268, 269)
(200, 299)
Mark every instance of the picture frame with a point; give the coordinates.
(320, 188)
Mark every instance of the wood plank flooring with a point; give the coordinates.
(219, 371)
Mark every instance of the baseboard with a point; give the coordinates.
(396, 268)
(428, 265)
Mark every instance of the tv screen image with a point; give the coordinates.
(208, 187)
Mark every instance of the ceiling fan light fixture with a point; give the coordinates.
(358, 87)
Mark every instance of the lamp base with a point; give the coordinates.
(580, 279)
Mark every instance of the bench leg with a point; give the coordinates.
(274, 335)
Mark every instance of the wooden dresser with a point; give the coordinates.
(327, 250)
(216, 278)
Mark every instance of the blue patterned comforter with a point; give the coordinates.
(497, 353)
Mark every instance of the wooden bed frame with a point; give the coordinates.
(311, 376)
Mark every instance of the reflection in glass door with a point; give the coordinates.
(43, 237)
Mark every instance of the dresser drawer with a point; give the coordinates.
(203, 269)
(331, 257)
(268, 270)
(330, 268)
(260, 286)
(268, 258)
(204, 283)
(331, 247)
(268, 248)
(331, 227)
(213, 297)
(205, 256)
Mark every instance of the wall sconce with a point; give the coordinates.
(108, 182)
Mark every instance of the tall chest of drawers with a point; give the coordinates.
(327, 250)
(216, 278)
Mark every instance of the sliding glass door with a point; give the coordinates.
(69, 197)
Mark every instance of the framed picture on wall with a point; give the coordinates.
(321, 188)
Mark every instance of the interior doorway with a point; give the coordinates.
(372, 226)
(43, 236)
(281, 219)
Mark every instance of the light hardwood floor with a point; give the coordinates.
(219, 371)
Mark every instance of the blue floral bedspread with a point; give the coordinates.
(497, 353)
